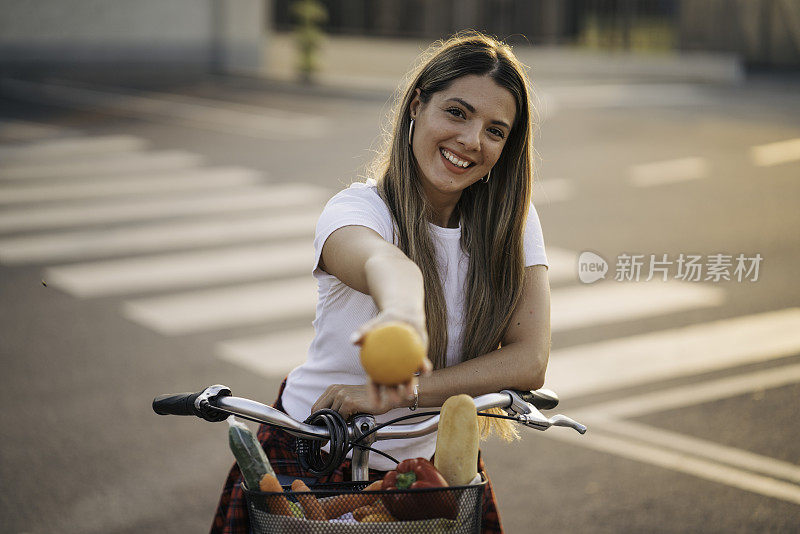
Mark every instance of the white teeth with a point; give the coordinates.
(453, 159)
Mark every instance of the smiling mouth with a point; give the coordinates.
(452, 158)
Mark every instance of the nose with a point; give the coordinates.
(470, 137)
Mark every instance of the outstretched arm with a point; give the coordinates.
(362, 259)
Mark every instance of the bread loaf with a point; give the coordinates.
(457, 441)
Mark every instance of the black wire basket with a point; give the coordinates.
(343, 508)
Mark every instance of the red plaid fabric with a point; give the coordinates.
(231, 516)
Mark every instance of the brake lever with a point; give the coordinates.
(530, 416)
(540, 422)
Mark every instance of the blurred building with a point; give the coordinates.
(224, 35)
(230, 35)
(760, 32)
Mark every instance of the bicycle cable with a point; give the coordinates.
(423, 414)
(393, 421)
(498, 416)
(367, 448)
(309, 452)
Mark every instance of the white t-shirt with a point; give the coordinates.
(332, 359)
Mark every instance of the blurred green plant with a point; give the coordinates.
(310, 16)
(644, 34)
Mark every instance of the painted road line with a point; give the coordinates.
(70, 147)
(691, 395)
(249, 304)
(709, 450)
(775, 153)
(82, 245)
(552, 191)
(181, 180)
(125, 163)
(272, 355)
(552, 99)
(599, 440)
(617, 363)
(666, 172)
(611, 302)
(227, 117)
(225, 308)
(188, 269)
(563, 265)
(183, 270)
(17, 131)
(274, 196)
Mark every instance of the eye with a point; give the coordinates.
(455, 112)
(496, 131)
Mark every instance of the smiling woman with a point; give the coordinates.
(443, 236)
(460, 134)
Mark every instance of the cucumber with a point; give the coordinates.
(249, 454)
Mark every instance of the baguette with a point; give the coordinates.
(457, 441)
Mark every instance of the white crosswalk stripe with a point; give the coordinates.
(551, 191)
(152, 183)
(666, 172)
(187, 269)
(126, 162)
(571, 308)
(277, 196)
(249, 304)
(776, 153)
(70, 147)
(610, 302)
(563, 265)
(617, 363)
(87, 244)
(272, 354)
(609, 364)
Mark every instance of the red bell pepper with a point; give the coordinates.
(422, 499)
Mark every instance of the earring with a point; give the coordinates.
(485, 179)
(411, 132)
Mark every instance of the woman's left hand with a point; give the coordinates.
(349, 400)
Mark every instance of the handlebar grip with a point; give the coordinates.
(542, 399)
(176, 404)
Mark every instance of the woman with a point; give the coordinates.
(446, 239)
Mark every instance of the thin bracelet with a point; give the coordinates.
(416, 398)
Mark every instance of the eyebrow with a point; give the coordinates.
(471, 109)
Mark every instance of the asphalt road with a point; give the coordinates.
(689, 388)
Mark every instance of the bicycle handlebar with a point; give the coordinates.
(215, 403)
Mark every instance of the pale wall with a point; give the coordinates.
(229, 34)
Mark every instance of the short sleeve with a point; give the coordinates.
(359, 205)
(533, 240)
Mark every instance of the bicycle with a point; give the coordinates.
(216, 403)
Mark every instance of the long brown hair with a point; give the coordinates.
(492, 214)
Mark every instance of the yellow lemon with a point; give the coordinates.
(392, 353)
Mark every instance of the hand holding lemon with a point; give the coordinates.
(392, 351)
